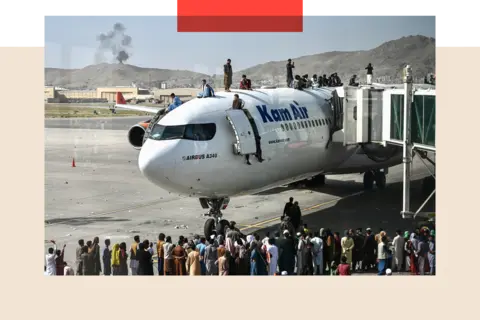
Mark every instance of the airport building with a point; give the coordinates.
(108, 94)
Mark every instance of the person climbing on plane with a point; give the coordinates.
(176, 102)
(245, 83)
(237, 102)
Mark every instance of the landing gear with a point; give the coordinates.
(318, 180)
(378, 177)
(368, 180)
(380, 180)
(215, 224)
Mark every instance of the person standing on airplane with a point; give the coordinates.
(369, 69)
(176, 102)
(227, 75)
(290, 67)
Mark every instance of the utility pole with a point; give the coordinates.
(407, 143)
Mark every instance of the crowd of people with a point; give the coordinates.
(321, 252)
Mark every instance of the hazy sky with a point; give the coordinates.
(71, 42)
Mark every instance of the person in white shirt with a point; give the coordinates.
(50, 260)
(317, 253)
(398, 247)
(67, 270)
(273, 252)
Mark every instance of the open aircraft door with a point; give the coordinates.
(244, 134)
(363, 115)
(350, 116)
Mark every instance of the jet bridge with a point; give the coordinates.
(395, 115)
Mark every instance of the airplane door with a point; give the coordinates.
(244, 134)
(337, 108)
(350, 116)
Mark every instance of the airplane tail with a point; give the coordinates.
(120, 99)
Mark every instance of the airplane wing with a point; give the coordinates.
(121, 103)
(137, 108)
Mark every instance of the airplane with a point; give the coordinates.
(199, 149)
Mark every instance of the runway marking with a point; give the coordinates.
(305, 209)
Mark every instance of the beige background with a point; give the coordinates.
(26, 293)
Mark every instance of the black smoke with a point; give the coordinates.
(115, 42)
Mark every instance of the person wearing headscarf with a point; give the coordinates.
(116, 259)
(241, 258)
(223, 263)
(179, 258)
(211, 255)
(258, 266)
(221, 247)
(431, 253)
(193, 263)
(250, 238)
(410, 249)
(123, 269)
(348, 244)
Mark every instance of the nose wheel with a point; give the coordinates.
(215, 224)
(374, 177)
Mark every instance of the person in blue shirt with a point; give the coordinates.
(176, 102)
(207, 90)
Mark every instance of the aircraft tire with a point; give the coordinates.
(209, 227)
(380, 180)
(319, 180)
(221, 226)
(368, 180)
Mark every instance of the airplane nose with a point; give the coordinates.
(156, 160)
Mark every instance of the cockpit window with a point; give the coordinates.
(197, 132)
(200, 132)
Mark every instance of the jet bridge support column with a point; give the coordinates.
(407, 143)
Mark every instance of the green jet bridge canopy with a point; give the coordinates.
(375, 114)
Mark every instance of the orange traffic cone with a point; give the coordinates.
(73, 163)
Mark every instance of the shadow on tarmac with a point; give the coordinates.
(375, 209)
(82, 221)
(338, 188)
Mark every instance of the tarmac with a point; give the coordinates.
(105, 194)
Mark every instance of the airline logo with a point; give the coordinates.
(282, 114)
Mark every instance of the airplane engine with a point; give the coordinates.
(136, 134)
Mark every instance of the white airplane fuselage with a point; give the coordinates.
(294, 127)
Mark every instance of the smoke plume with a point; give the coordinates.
(115, 42)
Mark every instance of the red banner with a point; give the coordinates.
(241, 16)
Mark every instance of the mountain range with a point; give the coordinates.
(388, 61)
